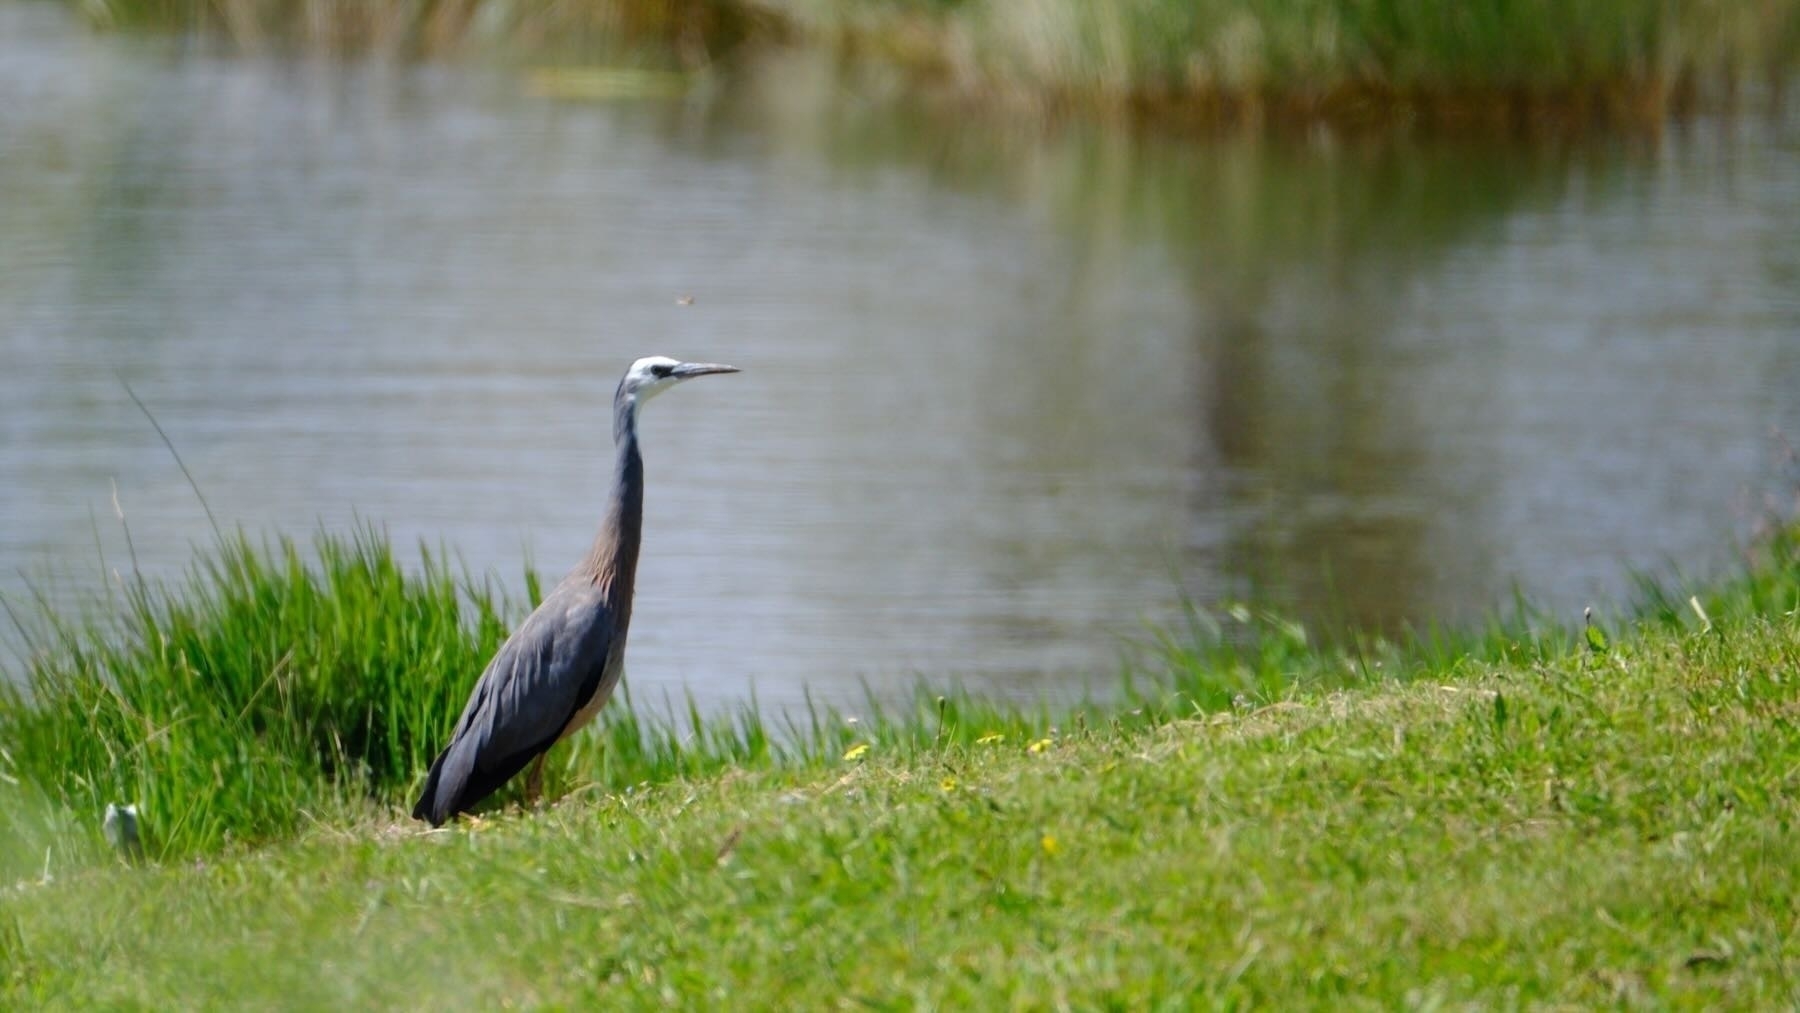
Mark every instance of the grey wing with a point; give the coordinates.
(550, 666)
(542, 675)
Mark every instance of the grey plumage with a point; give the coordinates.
(559, 667)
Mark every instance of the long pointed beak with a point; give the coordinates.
(689, 370)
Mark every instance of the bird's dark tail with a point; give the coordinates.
(429, 808)
(452, 788)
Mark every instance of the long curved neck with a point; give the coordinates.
(612, 562)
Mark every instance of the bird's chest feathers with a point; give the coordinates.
(613, 667)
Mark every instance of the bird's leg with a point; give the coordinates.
(534, 781)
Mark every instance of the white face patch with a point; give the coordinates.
(642, 381)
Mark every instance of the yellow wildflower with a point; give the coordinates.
(1049, 843)
(948, 784)
(1038, 746)
(855, 752)
(991, 738)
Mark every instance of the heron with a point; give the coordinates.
(556, 671)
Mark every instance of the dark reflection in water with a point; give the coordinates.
(1003, 390)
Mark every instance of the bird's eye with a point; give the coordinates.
(660, 371)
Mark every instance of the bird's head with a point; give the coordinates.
(649, 377)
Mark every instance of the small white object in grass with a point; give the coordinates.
(121, 826)
(1700, 610)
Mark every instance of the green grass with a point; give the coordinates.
(1487, 61)
(1581, 826)
(276, 688)
(267, 689)
(1505, 815)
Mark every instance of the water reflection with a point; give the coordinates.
(1002, 389)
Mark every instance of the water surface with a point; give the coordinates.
(1005, 391)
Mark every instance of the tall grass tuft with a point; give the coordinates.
(266, 688)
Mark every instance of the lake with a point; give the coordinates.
(1008, 391)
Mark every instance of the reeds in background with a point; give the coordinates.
(1326, 57)
(1488, 61)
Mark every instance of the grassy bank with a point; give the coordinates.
(278, 687)
(1606, 825)
(1492, 62)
